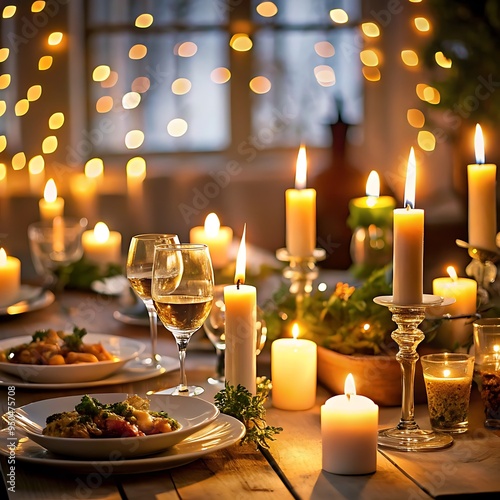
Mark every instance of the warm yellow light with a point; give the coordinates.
(45, 63)
(131, 100)
(110, 81)
(371, 74)
(370, 29)
(324, 49)
(426, 140)
(37, 6)
(442, 60)
(19, 161)
(301, 168)
(411, 180)
(186, 49)
(3, 108)
(415, 118)
(220, 75)
(101, 73)
(56, 120)
(181, 86)
(267, 9)
(422, 24)
(240, 42)
(21, 108)
(325, 75)
(104, 104)
(49, 144)
(212, 225)
(3, 171)
(339, 16)
(409, 57)
(136, 168)
(4, 81)
(453, 274)
(141, 84)
(101, 232)
(34, 93)
(177, 127)
(446, 373)
(349, 385)
(369, 57)
(144, 21)
(260, 85)
(9, 11)
(94, 168)
(134, 139)
(241, 260)
(479, 145)
(55, 38)
(373, 184)
(36, 165)
(3, 143)
(138, 51)
(419, 89)
(4, 54)
(432, 95)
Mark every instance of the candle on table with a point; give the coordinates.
(240, 328)
(464, 291)
(50, 205)
(10, 278)
(301, 212)
(481, 180)
(408, 255)
(293, 372)
(83, 191)
(217, 238)
(101, 245)
(349, 432)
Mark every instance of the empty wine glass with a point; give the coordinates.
(182, 291)
(214, 327)
(140, 273)
(54, 244)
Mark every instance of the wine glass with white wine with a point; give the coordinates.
(140, 273)
(182, 291)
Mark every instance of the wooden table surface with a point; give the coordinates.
(291, 468)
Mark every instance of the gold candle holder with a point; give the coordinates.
(301, 271)
(407, 435)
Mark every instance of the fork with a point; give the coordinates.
(23, 421)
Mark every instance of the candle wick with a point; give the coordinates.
(238, 282)
(348, 396)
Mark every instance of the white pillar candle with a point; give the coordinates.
(101, 245)
(217, 238)
(10, 278)
(50, 205)
(301, 212)
(481, 179)
(240, 328)
(293, 372)
(349, 431)
(408, 256)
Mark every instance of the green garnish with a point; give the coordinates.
(238, 402)
(74, 341)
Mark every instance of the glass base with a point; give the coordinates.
(413, 440)
(192, 390)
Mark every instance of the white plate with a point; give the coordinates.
(192, 414)
(30, 298)
(123, 348)
(224, 431)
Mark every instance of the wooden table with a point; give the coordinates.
(291, 468)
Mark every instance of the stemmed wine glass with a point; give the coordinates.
(140, 273)
(182, 291)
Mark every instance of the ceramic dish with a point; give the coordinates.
(124, 349)
(30, 298)
(224, 431)
(192, 414)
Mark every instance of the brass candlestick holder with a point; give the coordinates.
(301, 271)
(482, 268)
(407, 435)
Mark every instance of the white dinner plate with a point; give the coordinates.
(123, 348)
(192, 414)
(224, 431)
(30, 298)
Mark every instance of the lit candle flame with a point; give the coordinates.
(212, 225)
(349, 386)
(453, 274)
(295, 331)
(411, 180)
(479, 145)
(301, 169)
(3, 257)
(101, 232)
(241, 260)
(50, 191)
(372, 188)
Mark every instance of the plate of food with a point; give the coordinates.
(115, 426)
(51, 357)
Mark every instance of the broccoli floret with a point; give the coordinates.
(123, 409)
(40, 335)
(74, 341)
(88, 406)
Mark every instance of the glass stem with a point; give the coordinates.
(153, 331)
(182, 346)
